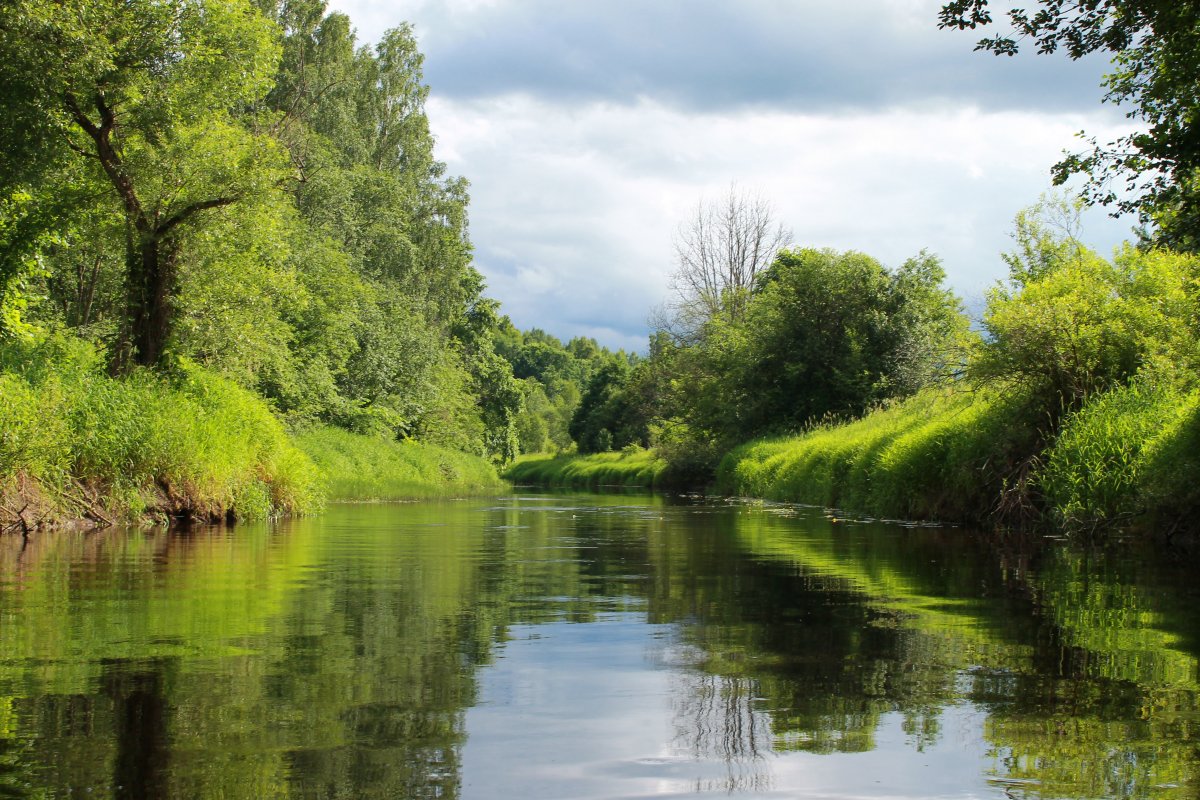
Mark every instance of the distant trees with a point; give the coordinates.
(567, 391)
(614, 411)
(1153, 46)
(760, 348)
(823, 333)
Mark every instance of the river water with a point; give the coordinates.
(594, 646)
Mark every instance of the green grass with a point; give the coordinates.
(942, 454)
(1130, 452)
(360, 467)
(75, 442)
(632, 467)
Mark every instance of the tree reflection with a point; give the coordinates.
(716, 719)
(304, 661)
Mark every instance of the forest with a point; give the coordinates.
(236, 282)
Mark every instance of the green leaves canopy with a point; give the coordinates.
(1156, 54)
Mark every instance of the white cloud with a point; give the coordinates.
(573, 207)
(589, 130)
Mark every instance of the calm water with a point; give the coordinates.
(593, 647)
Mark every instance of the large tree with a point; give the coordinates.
(1155, 47)
(158, 99)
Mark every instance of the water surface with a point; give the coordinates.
(588, 646)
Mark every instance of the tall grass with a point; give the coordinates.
(361, 467)
(1132, 451)
(632, 467)
(74, 442)
(943, 454)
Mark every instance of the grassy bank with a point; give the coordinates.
(76, 443)
(943, 454)
(1128, 455)
(370, 468)
(1131, 455)
(633, 467)
(79, 445)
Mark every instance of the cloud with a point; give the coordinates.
(704, 55)
(574, 207)
(589, 130)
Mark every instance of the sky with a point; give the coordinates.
(590, 130)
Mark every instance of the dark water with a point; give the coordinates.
(593, 647)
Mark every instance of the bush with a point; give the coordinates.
(1089, 325)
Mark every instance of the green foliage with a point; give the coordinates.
(1129, 456)
(608, 415)
(1087, 325)
(824, 333)
(156, 103)
(361, 467)
(1153, 48)
(943, 454)
(189, 444)
(633, 466)
(834, 333)
(555, 378)
(254, 194)
(22, 235)
(1107, 464)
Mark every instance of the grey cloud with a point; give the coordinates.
(704, 55)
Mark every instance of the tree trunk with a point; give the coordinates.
(151, 284)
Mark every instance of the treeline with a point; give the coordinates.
(834, 380)
(557, 380)
(761, 338)
(248, 190)
(240, 194)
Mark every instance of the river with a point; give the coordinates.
(594, 646)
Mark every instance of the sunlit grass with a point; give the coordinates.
(1129, 452)
(939, 455)
(75, 442)
(358, 467)
(632, 467)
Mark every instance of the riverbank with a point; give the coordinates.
(945, 454)
(1128, 458)
(81, 448)
(630, 468)
(356, 467)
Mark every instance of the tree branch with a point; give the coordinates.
(107, 154)
(190, 210)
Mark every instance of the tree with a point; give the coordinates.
(609, 416)
(824, 333)
(719, 252)
(158, 98)
(1154, 45)
(1088, 325)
